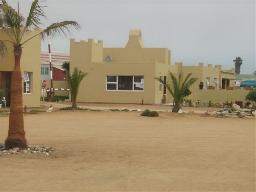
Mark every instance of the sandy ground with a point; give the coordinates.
(121, 151)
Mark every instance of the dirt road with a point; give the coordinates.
(121, 151)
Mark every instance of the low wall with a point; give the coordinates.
(219, 96)
(59, 85)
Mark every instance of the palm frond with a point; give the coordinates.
(174, 85)
(160, 80)
(59, 28)
(13, 21)
(190, 82)
(75, 79)
(11, 17)
(34, 17)
(168, 86)
(178, 87)
(186, 79)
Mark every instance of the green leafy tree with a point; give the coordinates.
(75, 80)
(179, 88)
(65, 66)
(251, 96)
(16, 27)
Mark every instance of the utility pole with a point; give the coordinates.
(51, 68)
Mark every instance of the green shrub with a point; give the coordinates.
(125, 110)
(60, 98)
(149, 113)
(56, 98)
(251, 96)
(71, 108)
(210, 103)
(114, 110)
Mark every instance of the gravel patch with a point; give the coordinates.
(32, 149)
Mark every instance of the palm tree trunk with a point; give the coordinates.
(176, 107)
(74, 105)
(16, 133)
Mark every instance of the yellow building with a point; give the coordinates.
(209, 76)
(127, 75)
(120, 75)
(30, 67)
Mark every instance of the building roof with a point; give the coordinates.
(248, 83)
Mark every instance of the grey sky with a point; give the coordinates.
(209, 31)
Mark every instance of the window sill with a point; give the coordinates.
(125, 90)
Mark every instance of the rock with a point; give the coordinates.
(50, 109)
(236, 107)
(180, 111)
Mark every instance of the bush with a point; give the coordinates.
(71, 108)
(125, 110)
(56, 98)
(60, 98)
(210, 103)
(114, 110)
(149, 113)
(251, 96)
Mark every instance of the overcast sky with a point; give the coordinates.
(209, 31)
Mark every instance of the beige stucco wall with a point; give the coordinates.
(30, 62)
(213, 73)
(219, 96)
(89, 56)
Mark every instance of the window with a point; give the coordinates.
(27, 82)
(44, 70)
(125, 83)
(111, 82)
(138, 83)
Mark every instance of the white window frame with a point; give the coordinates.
(116, 83)
(28, 83)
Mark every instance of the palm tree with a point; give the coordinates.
(15, 26)
(75, 79)
(179, 88)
